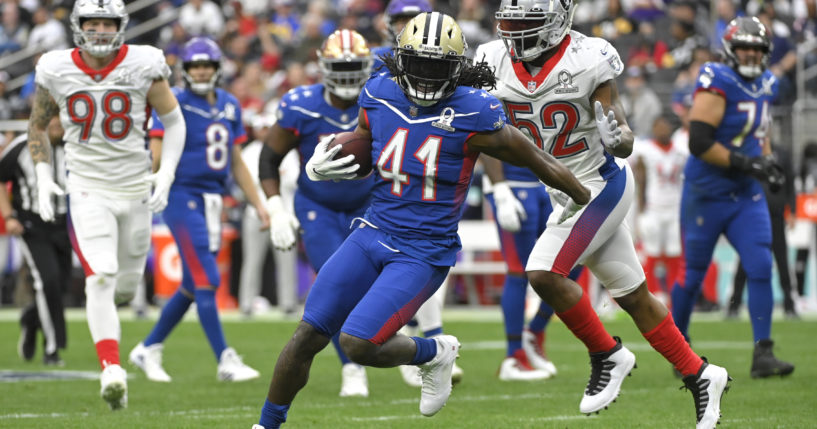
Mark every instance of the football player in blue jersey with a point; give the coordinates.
(428, 121)
(521, 208)
(323, 210)
(728, 136)
(396, 15)
(193, 214)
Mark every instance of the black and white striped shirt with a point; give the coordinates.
(17, 167)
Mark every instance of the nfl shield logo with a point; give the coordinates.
(413, 110)
(531, 85)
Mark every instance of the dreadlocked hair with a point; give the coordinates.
(477, 75)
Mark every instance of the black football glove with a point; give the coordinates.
(763, 168)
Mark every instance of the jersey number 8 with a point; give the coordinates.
(217, 139)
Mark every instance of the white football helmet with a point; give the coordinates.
(99, 44)
(346, 63)
(531, 27)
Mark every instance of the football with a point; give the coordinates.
(354, 144)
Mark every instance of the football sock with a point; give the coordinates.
(108, 352)
(667, 340)
(103, 322)
(684, 296)
(426, 350)
(273, 415)
(172, 313)
(513, 310)
(208, 319)
(586, 326)
(342, 356)
(433, 332)
(541, 319)
(760, 305)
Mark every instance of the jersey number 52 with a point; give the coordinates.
(561, 146)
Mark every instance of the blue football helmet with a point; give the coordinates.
(201, 50)
(403, 9)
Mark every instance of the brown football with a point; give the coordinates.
(354, 144)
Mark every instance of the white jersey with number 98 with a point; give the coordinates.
(553, 106)
(104, 113)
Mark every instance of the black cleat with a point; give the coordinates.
(53, 359)
(765, 364)
(28, 342)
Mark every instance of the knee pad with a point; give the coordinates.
(97, 285)
(126, 285)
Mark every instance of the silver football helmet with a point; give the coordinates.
(531, 27)
(99, 44)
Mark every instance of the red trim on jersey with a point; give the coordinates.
(465, 147)
(366, 118)
(240, 139)
(186, 247)
(717, 91)
(515, 265)
(662, 147)
(156, 133)
(525, 77)
(104, 71)
(72, 236)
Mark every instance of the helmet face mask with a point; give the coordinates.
(99, 44)
(198, 51)
(346, 63)
(747, 33)
(530, 28)
(430, 62)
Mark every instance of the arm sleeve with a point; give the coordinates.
(155, 126)
(238, 126)
(268, 163)
(173, 141)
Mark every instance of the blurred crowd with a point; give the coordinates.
(270, 46)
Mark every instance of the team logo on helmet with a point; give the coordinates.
(430, 58)
(345, 62)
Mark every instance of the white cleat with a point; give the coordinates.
(149, 360)
(456, 374)
(411, 375)
(257, 427)
(354, 381)
(114, 382)
(607, 372)
(517, 368)
(436, 375)
(707, 387)
(536, 353)
(232, 368)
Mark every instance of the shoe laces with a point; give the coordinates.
(700, 395)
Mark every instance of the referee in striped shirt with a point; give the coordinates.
(45, 245)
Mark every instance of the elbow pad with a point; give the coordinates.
(268, 163)
(173, 140)
(701, 137)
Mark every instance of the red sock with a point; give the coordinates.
(108, 352)
(586, 326)
(667, 340)
(673, 264)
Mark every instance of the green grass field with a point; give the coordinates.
(195, 399)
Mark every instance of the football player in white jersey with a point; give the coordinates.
(658, 163)
(560, 86)
(102, 91)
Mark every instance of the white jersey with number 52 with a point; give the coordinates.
(554, 106)
(104, 114)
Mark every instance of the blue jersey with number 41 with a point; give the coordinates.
(212, 130)
(423, 165)
(743, 128)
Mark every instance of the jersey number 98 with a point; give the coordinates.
(116, 120)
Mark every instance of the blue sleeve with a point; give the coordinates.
(365, 99)
(155, 127)
(287, 118)
(710, 78)
(238, 126)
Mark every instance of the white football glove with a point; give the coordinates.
(509, 211)
(569, 207)
(283, 224)
(46, 188)
(321, 166)
(161, 182)
(608, 127)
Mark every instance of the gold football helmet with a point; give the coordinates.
(345, 62)
(430, 57)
